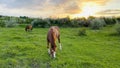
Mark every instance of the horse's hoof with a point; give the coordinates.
(53, 57)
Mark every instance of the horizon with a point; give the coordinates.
(60, 8)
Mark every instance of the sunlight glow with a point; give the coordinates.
(88, 9)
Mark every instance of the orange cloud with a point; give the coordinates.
(72, 8)
(100, 2)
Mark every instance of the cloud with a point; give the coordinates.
(13, 4)
(44, 8)
(58, 2)
(109, 12)
(100, 2)
(72, 8)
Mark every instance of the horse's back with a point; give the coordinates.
(53, 31)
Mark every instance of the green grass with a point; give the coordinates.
(20, 49)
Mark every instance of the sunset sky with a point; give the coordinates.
(60, 8)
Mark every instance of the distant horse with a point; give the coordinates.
(28, 28)
(52, 35)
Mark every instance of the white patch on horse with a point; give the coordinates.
(60, 46)
(54, 54)
(48, 51)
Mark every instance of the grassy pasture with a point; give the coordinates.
(20, 49)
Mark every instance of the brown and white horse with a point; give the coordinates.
(28, 28)
(52, 36)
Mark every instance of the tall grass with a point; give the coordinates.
(20, 49)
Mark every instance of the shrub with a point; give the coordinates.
(40, 23)
(82, 32)
(11, 23)
(2, 23)
(109, 21)
(97, 23)
(117, 27)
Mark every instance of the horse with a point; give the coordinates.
(52, 36)
(28, 28)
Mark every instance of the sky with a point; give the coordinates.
(60, 8)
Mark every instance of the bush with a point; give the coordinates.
(2, 23)
(11, 23)
(40, 23)
(82, 32)
(110, 21)
(97, 23)
(117, 27)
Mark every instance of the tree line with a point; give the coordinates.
(94, 22)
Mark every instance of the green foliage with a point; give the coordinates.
(117, 27)
(40, 23)
(8, 22)
(61, 22)
(2, 23)
(11, 23)
(118, 18)
(110, 21)
(97, 23)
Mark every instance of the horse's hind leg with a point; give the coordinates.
(59, 42)
(48, 50)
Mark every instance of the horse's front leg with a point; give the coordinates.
(48, 47)
(54, 52)
(48, 50)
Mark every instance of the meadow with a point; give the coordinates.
(98, 49)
